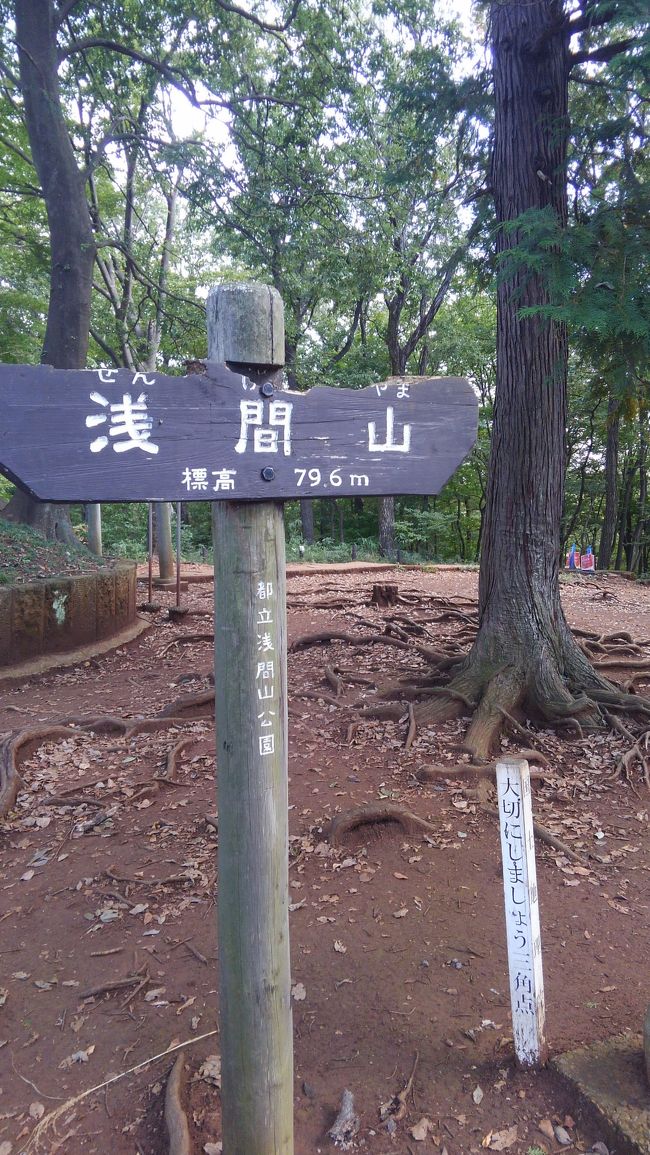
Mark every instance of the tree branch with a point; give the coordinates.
(607, 52)
(588, 19)
(237, 11)
(347, 344)
(177, 80)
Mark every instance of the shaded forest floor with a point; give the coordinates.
(398, 942)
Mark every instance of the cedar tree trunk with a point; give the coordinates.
(72, 249)
(524, 655)
(611, 484)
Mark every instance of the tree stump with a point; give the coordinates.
(385, 594)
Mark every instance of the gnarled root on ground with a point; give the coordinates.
(10, 749)
(175, 1117)
(552, 683)
(375, 814)
(17, 747)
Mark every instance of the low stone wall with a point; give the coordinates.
(60, 614)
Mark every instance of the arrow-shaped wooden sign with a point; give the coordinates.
(113, 435)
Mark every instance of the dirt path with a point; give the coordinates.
(397, 941)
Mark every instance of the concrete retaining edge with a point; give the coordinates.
(46, 620)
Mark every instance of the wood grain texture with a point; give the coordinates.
(252, 790)
(196, 423)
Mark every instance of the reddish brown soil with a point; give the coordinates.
(398, 942)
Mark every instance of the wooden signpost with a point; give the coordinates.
(234, 437)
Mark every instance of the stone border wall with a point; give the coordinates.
(65, 613)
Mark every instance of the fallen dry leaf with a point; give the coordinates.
(421, 1129)
(210, 1071)
(503, 1139)
(338, 946)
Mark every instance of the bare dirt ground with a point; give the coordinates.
(107, 902)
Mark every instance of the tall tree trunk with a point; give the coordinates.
(94, 523)
(164, 548)
(629, 473)
(307, 520)
(386, 527)
(72, 247)
(611, 484)
(524, 655)
(637, 539)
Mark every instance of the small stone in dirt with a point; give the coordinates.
(213, 1148)
(308, 1090)
(36, 1110)
(562, 1136)
(477, 1095)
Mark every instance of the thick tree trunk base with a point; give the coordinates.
(547, 680)
(52, 521)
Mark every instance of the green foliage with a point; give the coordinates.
(124, 530)
(26, 556)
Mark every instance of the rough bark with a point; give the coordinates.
(386, 526)
(72, 248)
(639, 532)
(307, 520)
(524, 656)
(611, 484)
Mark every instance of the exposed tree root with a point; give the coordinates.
(173, 758)
(540, 832)
(188, 702)
(638, 753)
(327, 636)
(466, 769)
(184, 640)
(412, 730)
(11, 748)
(375, 814)
(15, 748)
(318, 696)
(385, 711)
(175, 1117)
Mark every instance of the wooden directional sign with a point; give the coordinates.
(113, 435)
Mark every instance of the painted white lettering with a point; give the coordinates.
(389, 445)
(266, 438)
(129, 423)
(224, 479)
(195, 479)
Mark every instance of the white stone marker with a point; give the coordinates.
(522, 910)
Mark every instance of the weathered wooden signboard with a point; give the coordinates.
(246, 445)
(113, 435)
